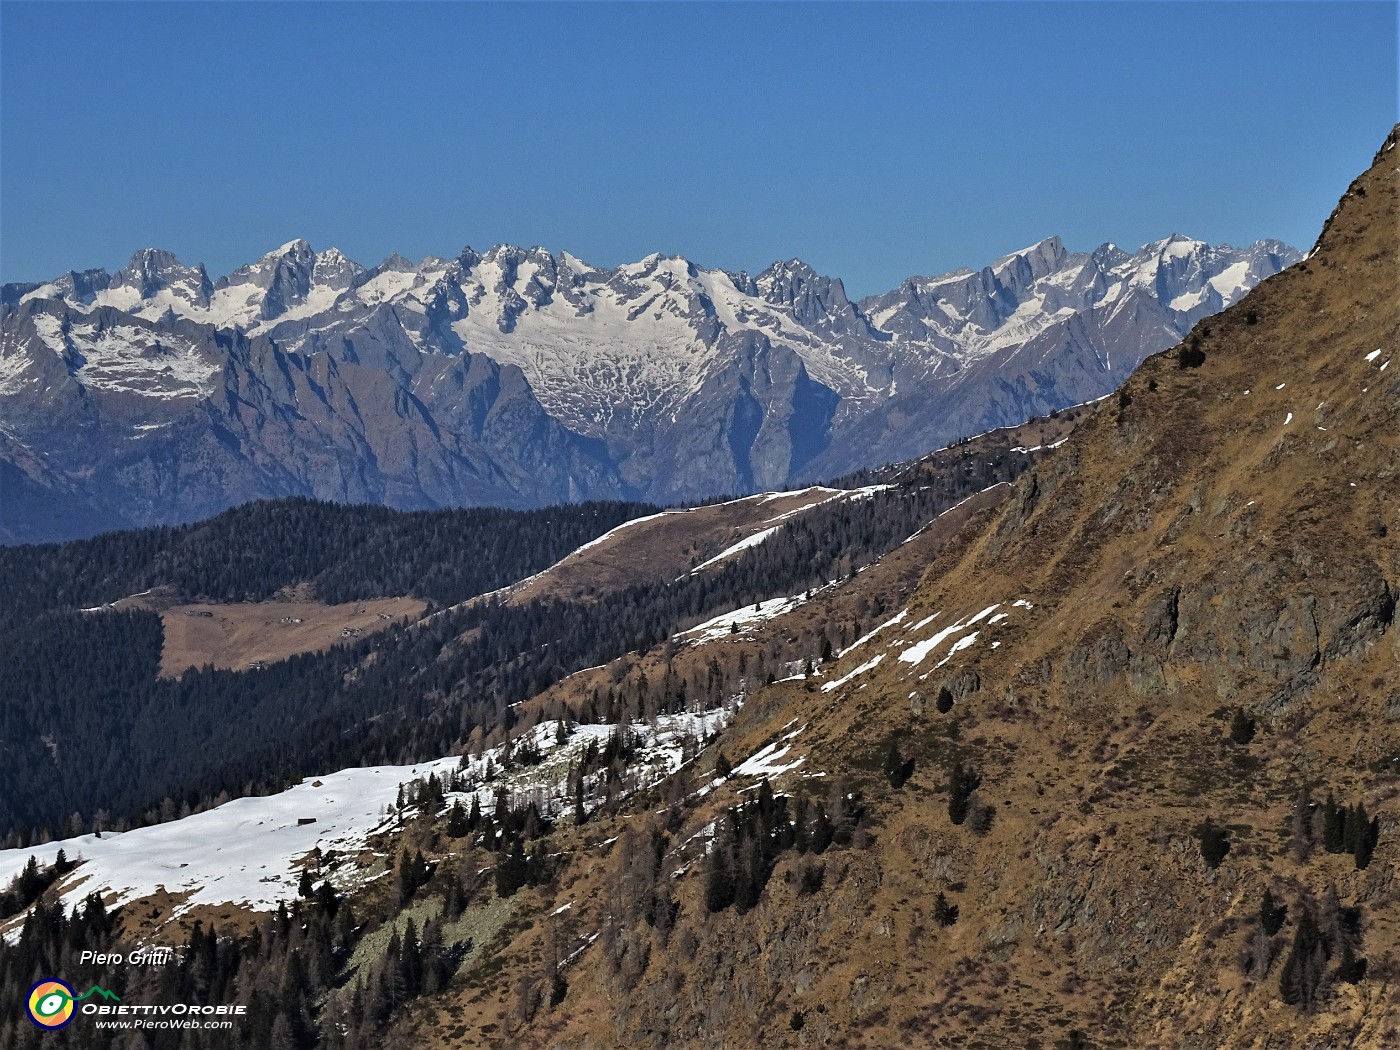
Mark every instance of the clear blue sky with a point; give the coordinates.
(873, 141)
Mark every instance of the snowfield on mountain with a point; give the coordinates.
(517, 377)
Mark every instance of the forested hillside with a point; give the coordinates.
(343, 552)
(95, 736)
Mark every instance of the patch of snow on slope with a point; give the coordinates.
(767, 761)
(897, 618)
(247, 851)
(962, 643)
(130, 359)
(240, 852)
(769, 497)
(869, 665)
(1231, 282)
(742, 545)
(1188, 301)
(50, 330)
(719, 626)
(916, 652)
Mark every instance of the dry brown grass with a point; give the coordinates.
(238, 636)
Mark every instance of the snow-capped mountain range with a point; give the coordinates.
(519, 377)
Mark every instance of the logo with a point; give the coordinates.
(51, 1002)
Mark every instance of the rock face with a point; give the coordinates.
(520, 378)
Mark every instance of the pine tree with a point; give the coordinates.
(944, 914)
(749, 872)
(944, 703)
(327, 900)
(1300, 980)
(1241, 727)
(411, 961)
(719, 877)
(537, 870)
(962, 782)
(1214, 841)
(1271, 915)
(457, 820)
(1366, 839)
(1350, 969)
(1333, 825)
(1354, 823)
(408, 881)
(558, 989)
(434, 968)
(510, 869)
(357, 1005)
(281, 1037)
(894, 765)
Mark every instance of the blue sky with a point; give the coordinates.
(874, 141)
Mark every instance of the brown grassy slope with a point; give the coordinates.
(240, 634)
(1190, 551)
(665, 546)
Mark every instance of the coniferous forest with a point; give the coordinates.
(96, 739)
(343, 552)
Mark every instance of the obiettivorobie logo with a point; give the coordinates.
(51, 1002)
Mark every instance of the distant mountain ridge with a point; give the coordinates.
(519, 378)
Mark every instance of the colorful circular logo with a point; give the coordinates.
(51, 1004)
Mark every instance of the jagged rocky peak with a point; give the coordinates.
(1108, 255)
(287, 275)
(1266, 258)
(1032, 263)
(516, 279)
(333, 270)
(638, 279)
(466, 259)
(575, 265)
(152, 271)
(396, 263)
(82, 286)
(527, 270)
(294, 256)
(814, 299)
(743, 282)
(1176, 247)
